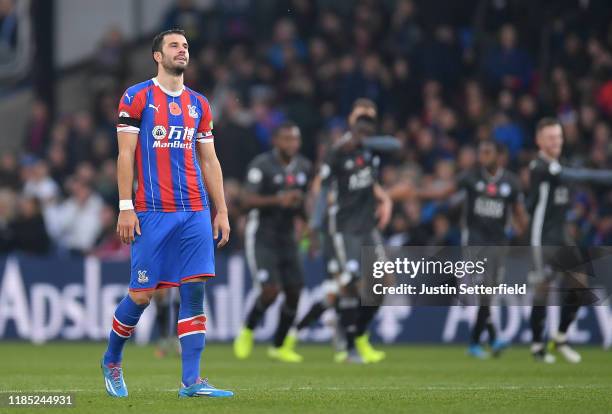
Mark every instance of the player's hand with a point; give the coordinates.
(383, 212)
(127, 226)
(221, 224)
(314, 244)
(290, 199)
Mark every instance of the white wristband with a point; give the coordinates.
(126, 205)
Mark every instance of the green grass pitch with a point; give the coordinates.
(413, 379)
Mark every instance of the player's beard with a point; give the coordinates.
(172, 68)
(285, 156)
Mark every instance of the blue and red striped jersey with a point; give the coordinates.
(168, 125)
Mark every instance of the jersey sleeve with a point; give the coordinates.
(464, 181)
(130, 110)
(516, 196)
(306, 167)
(376, 168)
(204, 133)
(255, 177)
(538, 172)
(326, 170)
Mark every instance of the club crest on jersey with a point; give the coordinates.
(142, 276)
(300, 178)
(174, 108)
(193, 112)
(263, 275)
(504, 189)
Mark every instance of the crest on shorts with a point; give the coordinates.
(142, 276)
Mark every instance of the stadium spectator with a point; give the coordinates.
(108, 246)
(187, 16)
(38, 183)
(8, 29)
(507, 64)
(405, 34)
(110, 63)
(28, 228)
(8, 201)
(286, 48)
(80, 139)
(78, 218)
(9, 171)
(238, 131)
(37, 138)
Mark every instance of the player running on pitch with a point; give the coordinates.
(275, 190)
(165, 133)
(318, 223)
(555, 253)
(350, 172)
(491, 197)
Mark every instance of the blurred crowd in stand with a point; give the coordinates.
(443, 74)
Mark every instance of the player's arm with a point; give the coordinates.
(460, 186)
(521, 218)
(213, 178)
(383, 143)
(585, 175)
(385, 206)
(284, 199)
(127, 223)
(304, 194)
(319, 191)
(405, 190)
(401, 191)
(438, 192)
(320, 205)
(130, 109)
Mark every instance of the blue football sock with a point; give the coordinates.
(126, 317)
(191, 330)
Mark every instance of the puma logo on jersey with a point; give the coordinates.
(154, 107)
(128, 97)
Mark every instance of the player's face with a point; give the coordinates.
(487, 155)
(550, 141)
(363, 130)
(175, 53)
(361, 111)
(288, 141)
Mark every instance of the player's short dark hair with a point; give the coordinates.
(546, 122)
(284, 125)
(158, 40)
(364, 103)
(500, 148)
